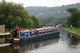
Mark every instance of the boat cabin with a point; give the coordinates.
(33, 32)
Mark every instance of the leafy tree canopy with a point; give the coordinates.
(12, 14)
(74, 18)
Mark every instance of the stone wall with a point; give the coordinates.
(2, 28)
(2, 40)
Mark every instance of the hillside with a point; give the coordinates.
(46, 12)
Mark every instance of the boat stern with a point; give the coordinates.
(14, 40)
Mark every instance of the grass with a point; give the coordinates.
(75, 30)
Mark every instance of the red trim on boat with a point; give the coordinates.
(16, 45)
(16, 40)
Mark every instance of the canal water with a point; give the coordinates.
(66, 43)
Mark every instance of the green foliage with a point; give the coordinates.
(74, 17)
(53, 21)
(35, 21)
(78, 22)
(72, 10)
(12, 14)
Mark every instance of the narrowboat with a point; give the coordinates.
(26, 35)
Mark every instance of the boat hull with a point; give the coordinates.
(35, 38)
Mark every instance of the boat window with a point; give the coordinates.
(33, 33)
(22, 34)
(39, 32)
(45, 31)
(48, 30)
(56, 29)
(51, 30)
(42, 31)
(27, 35)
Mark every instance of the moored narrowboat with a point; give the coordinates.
(26, 35)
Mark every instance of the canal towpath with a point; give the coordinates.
(71, 32)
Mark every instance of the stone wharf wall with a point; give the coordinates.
(2, 28)
(2, 40)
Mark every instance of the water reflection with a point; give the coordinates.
(65, 43)
(72, 43)
(73, 40)
(22, 48)
(6, 49)
(69, 38)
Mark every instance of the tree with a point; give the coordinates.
(78, 22)
(12, 14)
(35, 21)
(72, 10)
(74, 17)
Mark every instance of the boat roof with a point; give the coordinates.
(27, 30)
(37, 29)
(46, 28)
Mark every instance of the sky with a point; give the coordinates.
(48, 3)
